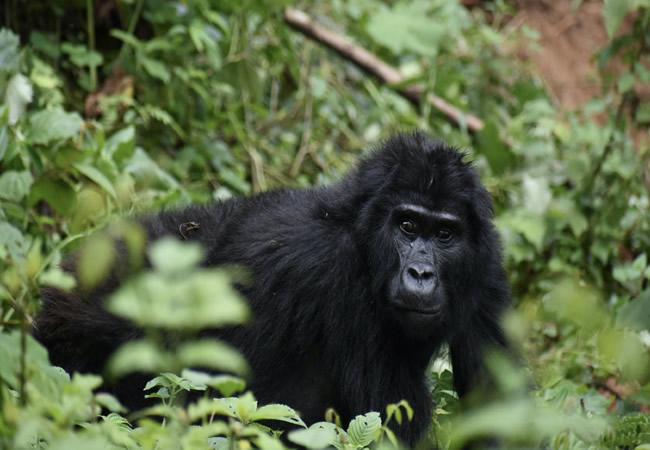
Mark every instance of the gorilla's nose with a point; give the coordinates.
(420, 278)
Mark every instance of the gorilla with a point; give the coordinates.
(354, 287)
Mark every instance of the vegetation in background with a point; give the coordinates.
(109, 108)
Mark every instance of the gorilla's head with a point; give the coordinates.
(427, 233)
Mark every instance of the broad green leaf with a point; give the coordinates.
(636, 312)
(125, 37)
(81, 56)
(238, 407)
(212, 354)
(109, 402)
(197, 34)
(12, 240)
(15, 185)
(631, 271)
(121, 145)
(96, 176)
(537, 194)
(4, 141)
(17, 96)
(96, 261)
(406, 27)
(50, 125)
(170, 255)
(642, 73)
(531, 226)
(364, 429)
(57, 193)
(156, 69)
(643, 112)
(576, 303)
(139, 356)
(234, 181)
(227, 385)
(319, 435)
(203, 299)
(279, 412)
(9, 55)
(614, 11)
(627, 351)
(625, 82)
(46, 43)
(58, 278)
(491, 145)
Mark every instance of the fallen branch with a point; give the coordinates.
(300, 21)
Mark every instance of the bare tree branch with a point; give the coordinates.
(301, 21)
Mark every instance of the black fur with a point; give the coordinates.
(331, 295)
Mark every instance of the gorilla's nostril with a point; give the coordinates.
(414, 273)
(421, 272)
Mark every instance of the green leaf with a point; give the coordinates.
(50, 125)
(227, 385)
(58, 278)
(203, 299)
(537, 194)
(81, 56)
(643, 112)
(13, 240)
(279, 412)
(109, 402)
(127, 38)
(4, 141)
(319, 435)
(17, 96)
(614, 11)
(406, 27)
(531, 226)
(169, 255)
(212, 354)
(121, 145)
(239, 407)
(197, 34)
(9, 55)
(490, 144)
(95, 261)
(57, 193)
(139, 356)
(364, 429)
(636, 312)
(46, 43)
(15, 185)
(156, 69)
(625, 82)
(96, 176)
(631, 271)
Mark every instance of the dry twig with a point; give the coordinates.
(300, 21)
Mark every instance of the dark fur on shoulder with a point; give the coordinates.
(355, 286)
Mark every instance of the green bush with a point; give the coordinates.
(111, 108)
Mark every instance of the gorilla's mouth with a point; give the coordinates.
(431, 312)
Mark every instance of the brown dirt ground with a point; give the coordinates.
(564, 54)
(568, 41)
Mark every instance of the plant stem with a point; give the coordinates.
(90, 17)
(132, 23)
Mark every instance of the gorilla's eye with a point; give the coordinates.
(444, 235)
(407, 227)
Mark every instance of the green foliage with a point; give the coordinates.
(152, 104)
(362, 431)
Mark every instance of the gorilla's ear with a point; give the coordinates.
(482, 331)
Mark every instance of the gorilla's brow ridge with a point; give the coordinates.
(435, 215)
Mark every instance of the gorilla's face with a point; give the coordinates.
(429, 245)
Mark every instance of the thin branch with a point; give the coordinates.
(301, 22)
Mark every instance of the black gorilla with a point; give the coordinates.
(355, 286)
